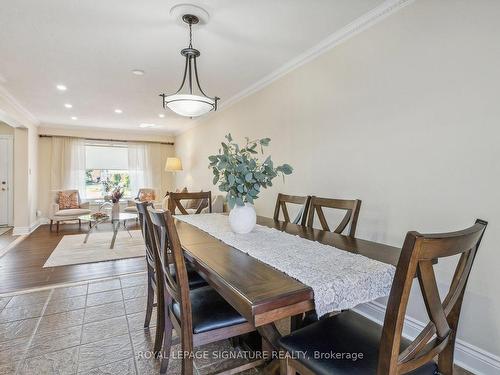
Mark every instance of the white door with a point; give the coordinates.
(5, 176)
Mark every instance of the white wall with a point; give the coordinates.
(25, 161)
(404, 116)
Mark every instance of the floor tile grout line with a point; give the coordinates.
(128, 330)
(69, 284)
(30, 341)
(81, 331)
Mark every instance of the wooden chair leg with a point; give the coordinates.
(446, 357)
(57, 230)
(51, 222)
(150, 299)
(187, 364)
(79, 224)
(286, 368)
(167, 343)
(160, 326)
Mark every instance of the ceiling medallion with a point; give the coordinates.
(192, 101)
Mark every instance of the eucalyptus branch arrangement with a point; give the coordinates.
(239, 172)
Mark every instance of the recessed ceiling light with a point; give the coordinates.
(61, 87)
(67, 105)
(138, 72)
(118, 111)
(145, 125)
(74, 118)
(161, 115)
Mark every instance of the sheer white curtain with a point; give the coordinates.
(140, 166)
(68, 164)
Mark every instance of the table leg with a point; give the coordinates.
(115, 232)
(91, 228)
(126, 228)
(270, 336)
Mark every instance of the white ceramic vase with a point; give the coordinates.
(242, 219)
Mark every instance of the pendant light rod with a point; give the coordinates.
(196, 103)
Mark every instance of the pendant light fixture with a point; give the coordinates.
(190, 101)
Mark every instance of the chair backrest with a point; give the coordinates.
(175, 201)
(147, 232)
(437, 338)
(352, 211)
(281, 202)
(176, 285)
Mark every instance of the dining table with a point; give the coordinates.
(260, 293)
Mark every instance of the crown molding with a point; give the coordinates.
(11, 100)
(355, 27)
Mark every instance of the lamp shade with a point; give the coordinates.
(189, 105)
(173, 165)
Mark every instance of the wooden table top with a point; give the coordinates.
(261, 293)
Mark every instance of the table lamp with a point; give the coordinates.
(173, 165)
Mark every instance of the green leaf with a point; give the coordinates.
(231, 180)
(253, 193)
(248, 177)
(286, 169)
(265, 141)
(239, 201)
(231, 201)
(215, 180)
(240, 188)
(213, 158)
(229, 138)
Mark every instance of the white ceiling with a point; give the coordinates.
(91, 46)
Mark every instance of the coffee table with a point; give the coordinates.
(116, 222)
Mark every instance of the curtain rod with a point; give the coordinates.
(103, 139)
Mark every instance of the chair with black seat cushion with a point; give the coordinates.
(281, 202)
(385, 351)
(199, 316)
(351, 216)
(155, 285)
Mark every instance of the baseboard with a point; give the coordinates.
(18, 231)
(467, 356)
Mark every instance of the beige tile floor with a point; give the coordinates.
(92, 328)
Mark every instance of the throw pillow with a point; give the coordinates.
(147, 196)
(68, 200)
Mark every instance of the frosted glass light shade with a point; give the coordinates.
(173, 165)
(189, 105)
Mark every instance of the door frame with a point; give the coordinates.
(10, 176)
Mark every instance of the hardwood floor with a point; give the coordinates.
(22, 266)
(6, 238)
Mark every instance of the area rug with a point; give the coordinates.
(72, 250)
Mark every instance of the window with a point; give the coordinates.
(106, 167)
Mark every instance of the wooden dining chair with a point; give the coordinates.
(155, 283)
(350, 206)
(281, 205)
(385, 350)
(175, 202)
(199, 316)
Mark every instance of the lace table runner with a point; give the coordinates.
(339, 279)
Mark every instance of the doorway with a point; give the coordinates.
(6, 181)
